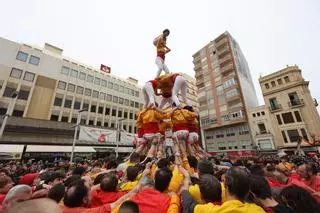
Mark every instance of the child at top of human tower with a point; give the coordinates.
(161, 44)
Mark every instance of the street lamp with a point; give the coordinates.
(118, 135)
(76, 132)
(13, 96)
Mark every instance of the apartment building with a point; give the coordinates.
(291, 106)
(192, 94)
(225, 92)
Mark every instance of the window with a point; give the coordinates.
(74, 120)
(287, 118)
(74, 73)
(82, 76)
(267, 86)
(304, 134)
(93, 108)
(115, 99)
(120, 100)
(28, 76)
(97, 81)
(262, 128)
(132, 92)
(79, 90)
(110, 85)
(23, 95)
(65, 70)
(22, 56)
(293, 135)
(116, 87)
(137, 93)
(121, 89)
(62, 85)
(132, 103)
(99, 123)
(57, 102)
(294, 99)
(67, 103)
(109, 97)
(126, 90)
(119, 114)
(112, 125)
(130, 129)
(91, 122)
(114, 112)
(16, 73)
(279, 81)
(254, 115)
(106, 124)
(100, 110)
(54, 118)
(34, 60)
(8, 91)
(231, 93)
(273, 84)
(274, 104)
(85, 106)
(64, 119)
(263, 113)
(126, 102)
(104, 83)
(125, 114)
(229, 83)
(102, 96)
(286, 79)
(71, 87)
(107, 112)
(95, 94)
(90, 78)
(77, 105)
(298, 117)
(136, 105)
(87, 92)
(131, 115)
(284, 137)
(258, 114)
(279, 119)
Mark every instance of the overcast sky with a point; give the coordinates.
(119, 33)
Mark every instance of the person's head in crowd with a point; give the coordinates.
(109, 183)
(215, 160)
(162, 179)
(193, 162)
(132, 173)
(35, 206)
(299, 200)
(71, 179)
(111, 164)
(79, 171)
(220, 175)
(56, 193)
(205, 167)
(31, 179)
(17, 194)
(256, 169)
(98, 179)
(6, 184)
(77, 195)
(237, 183)
(307, 170)
(210, 188)
(163, 163)
(135, 158)
(4, 172)
(129, 207)
(55, 178)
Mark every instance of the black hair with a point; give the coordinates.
(54, 175)
(162, 163)
(98, 179)
(312, 168)
(162, 179)
(210, 188)
(134, 158)
(71, 179)
(56, 193)
(109, 183)
(79, 171)
(238, 182)
(133, 206)
(111, 164)
(166, 30)
(193, 162)
(259, 187)
(75, 194)
(299, 200)
(132, 172)
(257, 170)
(205, 167)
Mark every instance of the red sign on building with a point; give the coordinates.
(105, 68)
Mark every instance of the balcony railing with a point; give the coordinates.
(226, 68)
(296, 103)
(275, 108)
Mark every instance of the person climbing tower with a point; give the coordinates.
(161, 44)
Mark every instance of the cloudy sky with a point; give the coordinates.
(119, 33)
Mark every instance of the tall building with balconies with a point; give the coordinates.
(291, 106)
(225, 92)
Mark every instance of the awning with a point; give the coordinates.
(11, 148)
(37, 148)
(120, 149)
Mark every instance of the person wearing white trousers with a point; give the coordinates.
(161, 66)
(148, 94)
(180, 84)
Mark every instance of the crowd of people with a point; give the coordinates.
(177, 183)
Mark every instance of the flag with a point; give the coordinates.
(105, 68)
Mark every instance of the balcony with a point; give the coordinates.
(225, 59)
(225, 50)
(221, 42)
(227, 68)
(275, 108)
(296, 103)
(233, 98)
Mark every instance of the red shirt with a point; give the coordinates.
(314, 183)
(99, 197)
(100, 209)
(152, 201)
(2, 197)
